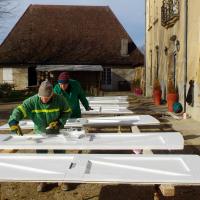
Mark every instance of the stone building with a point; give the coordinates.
(173, 48)
(68, 35)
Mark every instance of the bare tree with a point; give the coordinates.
(7, 10)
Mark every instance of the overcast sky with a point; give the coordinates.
(131, 14)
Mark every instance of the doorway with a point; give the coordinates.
(32, 76)
(106, 79)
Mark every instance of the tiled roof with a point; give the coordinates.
(56, 34)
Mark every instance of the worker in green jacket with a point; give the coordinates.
(72, 91)
(49, 113)
(46, 109)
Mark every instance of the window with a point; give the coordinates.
(169, 12)
(7, 75)
(106, 76)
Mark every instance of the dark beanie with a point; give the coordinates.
(63, 77)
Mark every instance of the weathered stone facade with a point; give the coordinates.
(1, 75)
(126, 74)
(165, 48)
(121, 75)
(20, 78)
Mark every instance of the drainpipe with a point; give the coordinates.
(145, 54)
(185, 51)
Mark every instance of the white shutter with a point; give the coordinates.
(7, 75)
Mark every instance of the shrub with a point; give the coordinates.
(6, 89)
(136, 83)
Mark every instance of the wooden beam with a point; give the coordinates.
(167, 190)
(8, 151)
(135, 129)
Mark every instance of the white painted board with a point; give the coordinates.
(98, 141)
(101, 168)
(128, 120)
(34, 167)
(107, 97)
(141, 169)
(24, 124)
(107, 101)
(103, 110)
(106, 106)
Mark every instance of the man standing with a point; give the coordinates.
(72, 91)
(49, 113)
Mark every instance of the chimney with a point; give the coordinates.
(124, 47)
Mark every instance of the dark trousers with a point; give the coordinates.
(46, 151)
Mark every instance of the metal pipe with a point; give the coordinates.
(185, 50)
(157, 64)
(145, 54)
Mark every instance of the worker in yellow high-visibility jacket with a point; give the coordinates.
(49, 113)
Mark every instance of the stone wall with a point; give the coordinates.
(1, 75)
(20, 78)
(121, 75)
(160, 42)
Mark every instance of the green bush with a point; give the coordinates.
(6, 89)
(15, 95)
(136, 83)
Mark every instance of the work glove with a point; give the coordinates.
(54, 125)
(89, 108)
(16, 129)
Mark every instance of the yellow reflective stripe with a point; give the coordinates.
(68, 110)
(22, 110)
(46, 110)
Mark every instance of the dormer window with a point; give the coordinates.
(124, 47)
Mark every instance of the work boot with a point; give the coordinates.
(41, 187)
(64, 186)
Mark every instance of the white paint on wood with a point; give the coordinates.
(104, 141)
(107, 106)
(107, 101)
(34, 167)
(106, 110)
(128, 120)
(105, 168)
(107, 98)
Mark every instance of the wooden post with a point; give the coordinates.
(135, 129)
(119, 129)
(8, 151)
(167, 190)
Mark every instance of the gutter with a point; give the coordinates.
(145, 54)
(185, 51)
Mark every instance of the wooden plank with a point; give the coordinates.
(167, 190)
(135, 129)
(101, 168)
(119, 129)
(8, 151)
